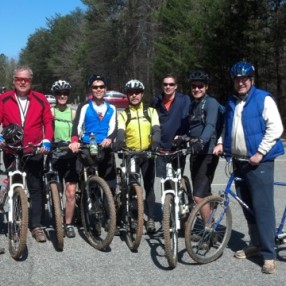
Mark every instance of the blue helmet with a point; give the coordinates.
(242, 69)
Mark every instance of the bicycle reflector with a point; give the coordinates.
(13, 134)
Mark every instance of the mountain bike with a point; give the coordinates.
(53, 192)
(129, 198)
(206, 239)
(97, 205)
(177, 201)
(14, 199)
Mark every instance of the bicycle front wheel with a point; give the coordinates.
(170, 231)
(134, 217)
(98, 213)
(188, 190)
(186, 201)
(18, 227)
(57, 216)
(206, 239)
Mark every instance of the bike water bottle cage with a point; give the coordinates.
(13, 134)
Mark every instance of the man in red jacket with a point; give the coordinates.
(31, 111)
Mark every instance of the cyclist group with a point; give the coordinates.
(252, 127)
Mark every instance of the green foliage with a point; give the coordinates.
(147, 39)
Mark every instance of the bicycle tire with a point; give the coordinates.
(170, 232)
(134, 216)
(57, 216)
(18, 228)
(187, 200)
(186, 184)
(98, 213)
(206, 244)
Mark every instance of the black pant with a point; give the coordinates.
(34, 169)
(202, 169)
(147, 168)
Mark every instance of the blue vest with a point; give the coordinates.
(253, 124)
(93, 124)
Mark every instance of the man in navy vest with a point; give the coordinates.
(253, 128)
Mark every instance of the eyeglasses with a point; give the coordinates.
(98, 86)
(169, 83)
(242, 79)
(60, 93)
(23, 79)
(199, 86)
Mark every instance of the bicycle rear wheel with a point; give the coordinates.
(57, 216)
(170, 231)
(18, 227)
(205, 241)
(134, 212)
(98, 213)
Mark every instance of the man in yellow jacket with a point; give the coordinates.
(139, 129)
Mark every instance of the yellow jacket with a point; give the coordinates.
(139, 131)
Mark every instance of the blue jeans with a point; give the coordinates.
(257, 191)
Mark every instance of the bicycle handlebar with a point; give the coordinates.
(235, 156)
(162, 152)
(18, 148)
(129, 152)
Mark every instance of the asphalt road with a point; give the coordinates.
(81, 264)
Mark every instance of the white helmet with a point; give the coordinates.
(60, 85)
(134, 84)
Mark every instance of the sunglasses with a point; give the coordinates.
(169, 83)
(136, 92)
(60, 93)
(98, 86)
(199, 86)
(23, 79)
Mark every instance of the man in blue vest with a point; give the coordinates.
(253, 128)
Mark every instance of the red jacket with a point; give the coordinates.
(38, 123)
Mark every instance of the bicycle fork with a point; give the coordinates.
(12, 187)
(176, 198)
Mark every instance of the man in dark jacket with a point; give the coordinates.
(173, 110)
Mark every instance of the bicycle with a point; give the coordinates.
(15, 200)
(176, 200)
(96, 204)
(53, 192)
(206, 240)
(129, 198)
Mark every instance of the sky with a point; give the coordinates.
(19, 19)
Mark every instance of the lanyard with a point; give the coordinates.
(23, 106)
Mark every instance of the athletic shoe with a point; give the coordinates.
(269, 267)
(247, 252)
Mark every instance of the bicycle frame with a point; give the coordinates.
(128, 168)
(279, 233)
(12, 175)
(174, 176)
(51, 175)
(128, 171)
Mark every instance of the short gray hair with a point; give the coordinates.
(21, 68)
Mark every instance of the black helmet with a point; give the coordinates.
(199, 75)
(94, 77)
(12, 134)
